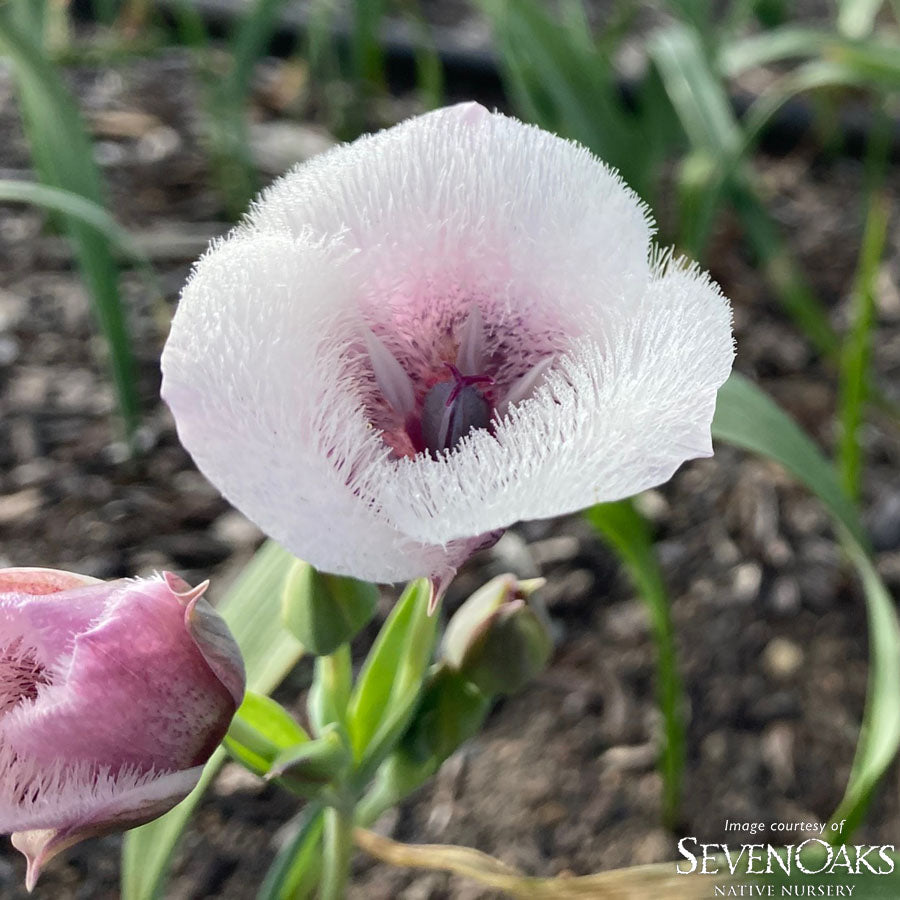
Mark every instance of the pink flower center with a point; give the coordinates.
(21, 675)
(419, 410)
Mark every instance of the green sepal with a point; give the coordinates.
(391, 679)
(314, 763)
(451, 711)
(324, 611)
(496, 639)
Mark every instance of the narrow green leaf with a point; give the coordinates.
(261, 731)
(429, 67)
(874, 61)
(811, 76)
(329, 694)
(725, 174)
(189, 25)
(366, 52)
(74, 205)
(774, 45)
(628, 534)
(226, 101)
(747, 418)
(696, 13)
(697, 95)
(252, 610)
(248, 43)
(791, 286)
(391, 678)
(560, 79)
(702, 103)
(31, 17)
(64, 159)
(854, 372)
(294, 873)
(880, 733)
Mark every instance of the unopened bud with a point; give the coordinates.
(324, 611)
(113, 695)
(451, 711)
(497, 639)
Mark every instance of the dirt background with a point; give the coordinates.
(770, 622)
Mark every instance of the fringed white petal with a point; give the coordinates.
(405, 233)
(254, 371)
(617, 415)
(463, 196)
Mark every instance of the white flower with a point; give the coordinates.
(418, 339)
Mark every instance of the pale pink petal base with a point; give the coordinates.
(126, 810)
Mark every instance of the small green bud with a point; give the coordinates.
(496, 639)
(451, 710)
(324, 611)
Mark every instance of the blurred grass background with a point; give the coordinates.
(677, 95)
(656, 101)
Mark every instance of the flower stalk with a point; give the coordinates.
(337, 852)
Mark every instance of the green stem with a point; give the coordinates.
(378, 799)
(336, 853)
(327, 702)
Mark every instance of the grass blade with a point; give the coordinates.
(77, 207)
(791, 286)
(391, 678)
(702, 104)
(627, 533)
(854, 370)
(565, 83)
(64, 159)
(697, 95)
(747, 418)
(252, 609)
(226, 100)
(429, 68)
(294, 873)
(776, 45)
(367, 56)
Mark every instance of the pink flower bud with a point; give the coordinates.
(112, 697)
